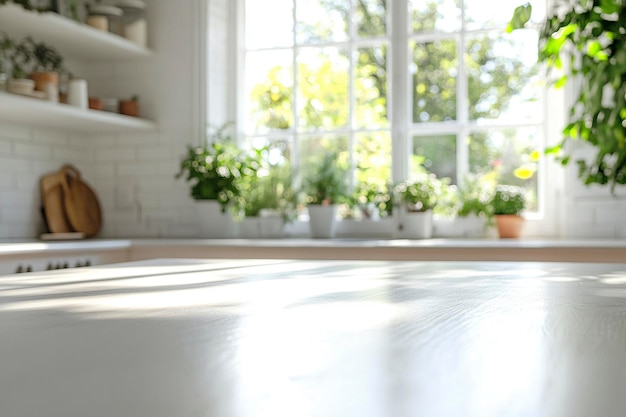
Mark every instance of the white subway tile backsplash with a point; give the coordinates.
(116, 154)
(6, 182)
(33, 150)
(68, 154)
(138, 169)
(5, 147)
(154, 153)
(15, 166)
(12, 131)
(50, 136)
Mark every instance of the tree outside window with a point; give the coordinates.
(317, 77)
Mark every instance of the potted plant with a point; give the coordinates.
(19, 55)
(217, 173)
(130, 107)
(373, 200)
(507, 204)
(417, 198)
(324, 192)
(48, 64)
(474, 209)
(270, 200)
(588, 38)
(6, 49)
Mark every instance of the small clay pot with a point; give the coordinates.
(129, 107)
(41, 79)
(95, 103)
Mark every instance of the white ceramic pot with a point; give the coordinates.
(271, 226)
(414, 225)
(214, 224)
(323, 221)
(470, 226)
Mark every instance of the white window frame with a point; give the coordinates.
(545, 222)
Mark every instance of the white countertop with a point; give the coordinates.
(244, 338)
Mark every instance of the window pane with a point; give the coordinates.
(510, 156)
(313, 148)
(485, 14)
(260, 34)
(436, 153)
(434, 71)
(269, 79)
(371, 87)
(435, 15)
(373, 158)
(370, 19)
(503, 79)
(279, 148)
(322, 20)
(323, 101)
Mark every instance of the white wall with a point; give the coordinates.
(133, 174)
(25, 155)
(592, 211)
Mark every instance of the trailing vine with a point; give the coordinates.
(587, 37)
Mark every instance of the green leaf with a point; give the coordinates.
(560, 82)
(521, 16)
(593, 48)
(553, 150)
(609, 6)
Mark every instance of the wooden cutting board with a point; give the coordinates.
(53, 203)
(81, 204)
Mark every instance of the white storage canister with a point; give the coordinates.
(135, 27)
(106, 18)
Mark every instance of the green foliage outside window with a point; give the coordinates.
(322, 92)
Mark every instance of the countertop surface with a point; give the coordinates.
(315, 338)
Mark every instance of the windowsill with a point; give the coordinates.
(531, 250)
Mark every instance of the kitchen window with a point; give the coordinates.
(396, 84)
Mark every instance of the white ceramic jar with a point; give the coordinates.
(135, 27)
(77, 93)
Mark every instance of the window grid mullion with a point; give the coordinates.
(295, 157)
(351, 96)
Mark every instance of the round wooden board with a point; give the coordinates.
(82, 206)
(53, 203)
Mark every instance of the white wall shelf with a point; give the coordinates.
(70, 38)
(36, 112)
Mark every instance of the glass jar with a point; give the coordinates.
(135, 27)
(106, 18)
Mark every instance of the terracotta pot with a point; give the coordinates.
(43, 78)
(95, 103)
(129, 107)
(509, 225)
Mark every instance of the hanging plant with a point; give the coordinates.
(588, 39)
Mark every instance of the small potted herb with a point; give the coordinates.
(270, 199)
(417, 199)
(217, 173)
(324, 192)
(474, 209)
(507, 204)
(130, 107)
(48, 64)
(20, 57)
(373, 200)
